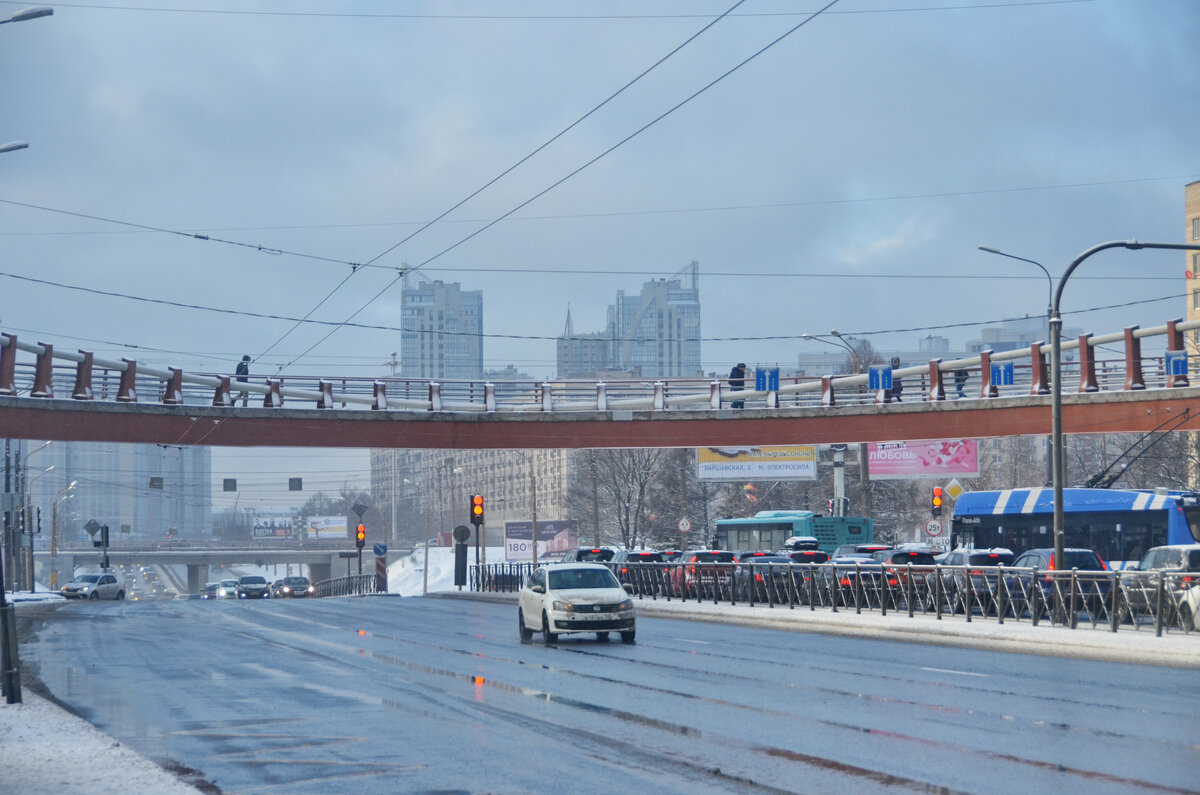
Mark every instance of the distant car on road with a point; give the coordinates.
(765, 577)
(574, 597)
(210, 590)
(978, 567)
(595, 554)
(640, 571)
(1179, 567)
(105, 585)
(228, 589)
(702, 572)
(293, 588)
(1055, 590)
(253, 586)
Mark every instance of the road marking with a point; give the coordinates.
(960, 673)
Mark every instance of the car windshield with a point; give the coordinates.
(295, 581)
(1082, 559)
(253, 580)
(915, 558)
(86, 578)
(575, 579)
(228, 583)
(636, 557)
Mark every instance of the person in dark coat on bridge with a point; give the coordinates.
(897, 383)
(243, 370)
(737, 381)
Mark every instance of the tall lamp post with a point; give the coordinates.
(54, 534)
(1049, 314)
(533, 530)
(28, 13)
(1056, 374)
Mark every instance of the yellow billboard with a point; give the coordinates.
(783, 462)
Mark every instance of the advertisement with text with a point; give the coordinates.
(784, 462)
(936, 458)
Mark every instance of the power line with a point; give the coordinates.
(612, 148)
(532, 17)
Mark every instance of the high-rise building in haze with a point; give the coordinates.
(443, 331)
(653, 334)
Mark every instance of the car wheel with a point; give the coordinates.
(1185, 617)
(93, 596)
(628, 637)
(526, 632)
(602, 636)
(120, 596)
(548, 637)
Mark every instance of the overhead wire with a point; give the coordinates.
(603, 154)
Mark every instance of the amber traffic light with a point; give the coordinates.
(936, 501)
(360, 536)
(477, 510)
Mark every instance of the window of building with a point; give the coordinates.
(1195, 299)
(1196, 228)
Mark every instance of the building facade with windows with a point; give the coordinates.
(443, 330)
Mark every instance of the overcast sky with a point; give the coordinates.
(842, 179)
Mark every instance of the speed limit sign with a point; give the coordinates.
(684, 525)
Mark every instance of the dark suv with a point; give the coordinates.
(1093, 584)
(640, 571)
(972, 573)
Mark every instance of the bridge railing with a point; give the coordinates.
(354, 585)
(1091, 363)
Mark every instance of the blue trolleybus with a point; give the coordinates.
(1119, 524)
(768, 530)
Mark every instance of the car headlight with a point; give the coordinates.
(312, 589)
(626, 605)
(286, 589)
(562, 606)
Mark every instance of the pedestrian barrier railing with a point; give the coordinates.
(354, 585)
(1023, 372)
(1112, 600)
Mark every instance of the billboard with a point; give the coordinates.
(784, 462)
(554, 537)
(938, 458)
(272, 524)
(327, 527)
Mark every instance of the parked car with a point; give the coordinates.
(1174, 564)
(813, 556)
(703, 572)
(640, 571)
(293, 588)
(590, 554)
(210, 590)
(574, 597)
(1055, 593)
(104, 585)
(228, 589)
(977, 566)
(253, 586)
(765, 578)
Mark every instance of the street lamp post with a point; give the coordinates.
(854, 360)
(1049, 330)
(1056, 374)
(533, 531)
(13, 146)
(54, 534)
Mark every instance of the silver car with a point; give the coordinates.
(104, 585)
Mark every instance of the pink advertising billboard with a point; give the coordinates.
(924, 459)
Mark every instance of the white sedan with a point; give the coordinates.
(574, 597)
(105, 585)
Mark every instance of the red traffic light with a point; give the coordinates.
(936, 501)
(360, 536)
(477, 510)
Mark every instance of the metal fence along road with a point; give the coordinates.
(354, 585)
(1111, 600)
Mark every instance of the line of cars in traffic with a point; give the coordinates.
(255, 586)
(116, 585)
(1163, 586)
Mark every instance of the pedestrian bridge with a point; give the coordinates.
(1109, 385)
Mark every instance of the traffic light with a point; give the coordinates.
(360, 536)
(935, 507)
(477, 510)
(749, 490)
